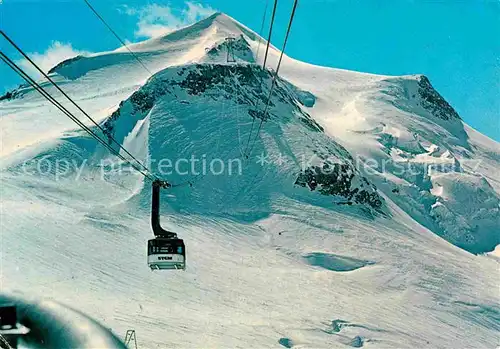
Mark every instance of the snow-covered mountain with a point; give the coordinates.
(364, 215)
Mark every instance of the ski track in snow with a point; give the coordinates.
(266, 267)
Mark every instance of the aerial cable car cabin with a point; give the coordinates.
(166, 250)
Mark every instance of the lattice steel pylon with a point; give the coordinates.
(230, 50)
(130, 337)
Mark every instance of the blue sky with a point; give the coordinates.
(455, 43)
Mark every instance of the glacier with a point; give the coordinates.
(384, 236)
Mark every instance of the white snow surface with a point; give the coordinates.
(269, 264)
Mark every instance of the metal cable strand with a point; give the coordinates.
(59, 106)
(72, 101)
(275, 77)
(117, 36)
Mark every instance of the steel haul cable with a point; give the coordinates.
(246, 155)
(261, 29)
(59, 106)
(273, 84)
(71, 100)
(190, 182)
(117, 36)
(199, 176)
(149, 176)
(264, 64)
(270, 33)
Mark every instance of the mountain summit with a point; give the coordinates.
(353, 201)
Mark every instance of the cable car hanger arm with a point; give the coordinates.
(155, 210)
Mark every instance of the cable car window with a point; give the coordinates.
(166, 249)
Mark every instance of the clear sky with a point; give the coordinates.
(456, 43)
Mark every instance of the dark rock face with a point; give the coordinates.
(312, 124)
(336, 179)
(247, 84)
(143, 101)
(237, 47)
(434, 102)
(109, 123)
(10, 95)
(207, 76)
(257, 82)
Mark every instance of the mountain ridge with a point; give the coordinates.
(410, 127)
(281, 253)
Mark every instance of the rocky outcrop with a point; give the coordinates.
(433, 102)
(247, 84)
(237, 48)
(9, 95)
(338, 180)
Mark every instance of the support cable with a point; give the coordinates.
(72, 101)
(59, 106)
(263, 65)
(274, 78)
(117, 36)
(262, 28)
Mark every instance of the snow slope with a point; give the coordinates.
(355, 231)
